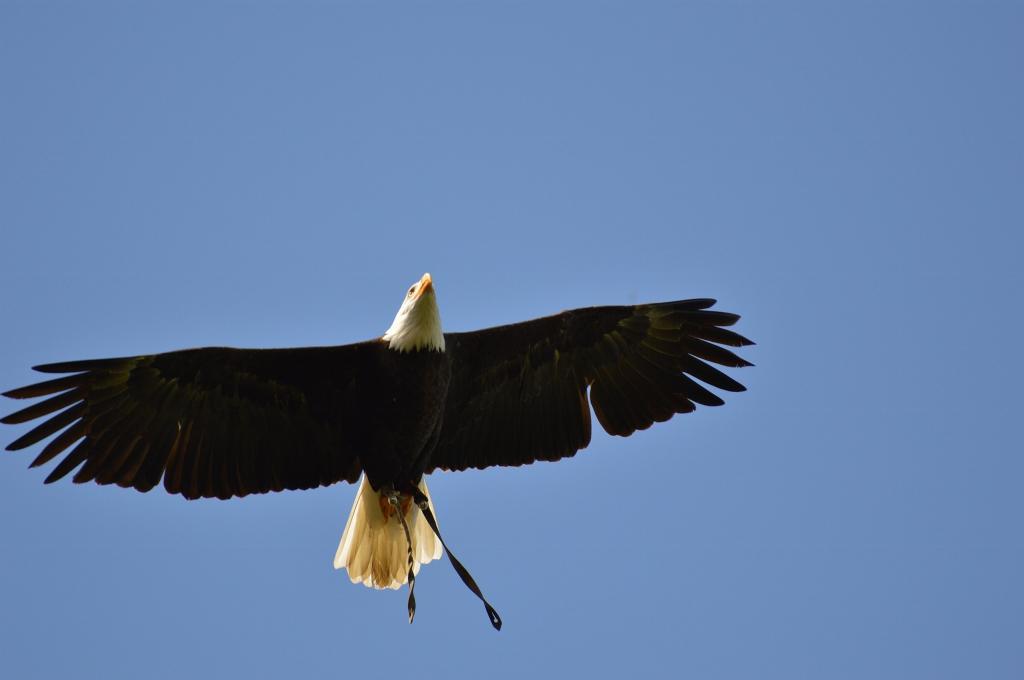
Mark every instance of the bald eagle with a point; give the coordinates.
(222, 422)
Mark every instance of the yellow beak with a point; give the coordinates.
(426, 285)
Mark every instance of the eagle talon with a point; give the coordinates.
(393, 502)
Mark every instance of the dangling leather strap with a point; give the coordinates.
(424, 506)
(412, 572)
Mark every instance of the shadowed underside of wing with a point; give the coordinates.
(519, 392)
(212, 422)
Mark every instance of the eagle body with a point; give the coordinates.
(403, 399)
(223, 422)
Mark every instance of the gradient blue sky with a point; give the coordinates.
(848, 176)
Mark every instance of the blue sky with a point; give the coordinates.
(847, 176)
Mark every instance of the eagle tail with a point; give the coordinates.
(373, 547)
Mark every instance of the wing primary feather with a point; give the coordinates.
(44, 407)
(118, 364)
(710, 375)
(684, 405)
(706, 318)
(713, 353)
(57, 422)
(722, 336)
(41, 389)
(682, 305)
(70, 462)
(59, 443)
(695, 392)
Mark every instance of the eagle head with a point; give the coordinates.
(418, 322)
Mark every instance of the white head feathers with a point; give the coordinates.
(418, 322)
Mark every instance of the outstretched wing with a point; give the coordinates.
(518, 393)
(210, 422)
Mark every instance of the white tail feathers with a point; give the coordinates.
(373, 547)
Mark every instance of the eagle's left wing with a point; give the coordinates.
(518, 393)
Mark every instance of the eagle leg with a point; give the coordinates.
(393, 502)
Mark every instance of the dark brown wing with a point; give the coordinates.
(210, 422)
(519, 393)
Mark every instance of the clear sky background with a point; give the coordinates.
(847, 176)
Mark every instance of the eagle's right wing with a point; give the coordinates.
(208, 422)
